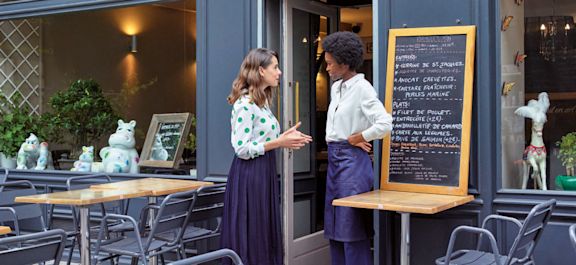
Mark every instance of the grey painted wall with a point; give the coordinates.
(226, 32)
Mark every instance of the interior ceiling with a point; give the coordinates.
(346, 3)
(354, 15)
(186, 5)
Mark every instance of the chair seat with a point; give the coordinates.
(129, 246)
(471, 257)
(121, 227)
(191, 232)
(194, 232)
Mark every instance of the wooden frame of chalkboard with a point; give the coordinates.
(172, 130)
(429, 82)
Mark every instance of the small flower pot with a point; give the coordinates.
(7, 162)
(566, 182)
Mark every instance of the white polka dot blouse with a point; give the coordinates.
(251, 128)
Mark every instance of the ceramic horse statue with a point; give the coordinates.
(535, 153)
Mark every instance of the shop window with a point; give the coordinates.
(142, 57)
(538, 101)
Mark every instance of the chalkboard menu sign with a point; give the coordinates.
(429, 93)
(165, 140)
(170, 134)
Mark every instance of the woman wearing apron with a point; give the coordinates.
(355, 117)
(251, 219)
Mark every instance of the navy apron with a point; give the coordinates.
(350, 172)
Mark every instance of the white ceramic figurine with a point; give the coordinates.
(121, 156)
(33, 154)
(158, 151)
(84, 163)
(535, 153)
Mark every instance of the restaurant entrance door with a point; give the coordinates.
(305, 99)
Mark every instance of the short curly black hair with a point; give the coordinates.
(346, 47)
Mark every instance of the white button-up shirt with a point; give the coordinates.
(355, 107)
(251, 127)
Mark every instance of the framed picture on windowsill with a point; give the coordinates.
(165, 140)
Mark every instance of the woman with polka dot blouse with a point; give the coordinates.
(251, 219)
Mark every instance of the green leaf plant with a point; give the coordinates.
(567, 152)
(84, 113)
(15, 124)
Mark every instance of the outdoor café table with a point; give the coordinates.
(403, 203)
(5, 230)
(84, 198)
(154, 187)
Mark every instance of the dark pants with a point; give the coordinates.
(351, 253)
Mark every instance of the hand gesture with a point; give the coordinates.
(294, 139)
(358, 141)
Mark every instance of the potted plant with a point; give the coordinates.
(84, 113)
(567, 155)
(15, 126)
(190, 145)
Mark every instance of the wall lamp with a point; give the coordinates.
(133, 44)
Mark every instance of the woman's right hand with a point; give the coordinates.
(291, 138)
(294, 139)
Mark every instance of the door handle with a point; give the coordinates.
(297, 100)
(278, 100)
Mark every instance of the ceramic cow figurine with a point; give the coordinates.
(121, 156)
(32, 154)
(535, 153)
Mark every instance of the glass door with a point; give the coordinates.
(306, 99)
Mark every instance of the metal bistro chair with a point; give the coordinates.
(116, 207)
(572, 232)
(37, 247)
(171, 216)
(5, 177)
(208, 207)
(21, 217)
(522, 248)
(210, 256)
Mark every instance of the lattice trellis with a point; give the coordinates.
(20, 62)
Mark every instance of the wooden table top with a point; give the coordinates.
(115, 191)
(410, 202)
(155, 186)
(81, 197)
(5, 230)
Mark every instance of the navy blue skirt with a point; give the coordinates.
(349, 173)
(251, 220)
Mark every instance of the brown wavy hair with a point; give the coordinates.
(249, 80)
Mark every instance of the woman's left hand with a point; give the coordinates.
(358, 141)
